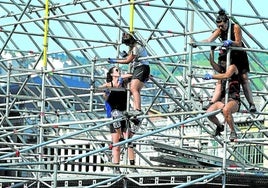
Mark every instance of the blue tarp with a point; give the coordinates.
(71, 82)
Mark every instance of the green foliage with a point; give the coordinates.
(202, 60)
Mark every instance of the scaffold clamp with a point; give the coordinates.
(17, 153)
(111, 146)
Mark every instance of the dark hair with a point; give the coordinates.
(222, 55)
(222, 17)
(109, 77)
(128, 38)
(223, 58)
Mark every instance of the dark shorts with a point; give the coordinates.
(123, 127)
(240, 59)
(232, 99)
(141, 73)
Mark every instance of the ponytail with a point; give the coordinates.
(109, 78)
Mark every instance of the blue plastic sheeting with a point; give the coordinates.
(71, 82)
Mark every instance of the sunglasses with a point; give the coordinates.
(117, 70)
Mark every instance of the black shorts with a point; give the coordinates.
(240, 59)
(123, 127)
(232, 99)
(141, 73)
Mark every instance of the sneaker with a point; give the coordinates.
(117, 170)
(233, 136)
(252, 108)
(133, 113)
(136, 121)
(218, 131)
(135, 125)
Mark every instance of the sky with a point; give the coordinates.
(91, 32)
(241, 7)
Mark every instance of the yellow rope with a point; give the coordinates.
(131, 21)
(46, 34)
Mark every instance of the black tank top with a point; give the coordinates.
(118, 100)
(238, 57)
(234, 87)
(224, 35)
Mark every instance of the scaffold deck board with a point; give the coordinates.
(189, 157)
(53, 121)
(157, 179)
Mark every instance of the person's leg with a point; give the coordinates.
(135, 88)
(230, 108)
(215, 96)
(116, 150)
(131, 154)
(217, 105)
(247, 92)
(140, 74)
(119, 133)
(117, 126)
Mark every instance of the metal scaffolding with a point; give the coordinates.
(54, 132)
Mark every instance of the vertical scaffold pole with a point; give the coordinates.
(131, 30)
(43, 89)
(92, 84)
(8, 88)
(226, 101)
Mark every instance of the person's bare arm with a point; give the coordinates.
(217, 92)
(127, 60)
(126, 76)
(230, 71)
(105, 85)
(213, 37)
(238, 36)
(214, 65)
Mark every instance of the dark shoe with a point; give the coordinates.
(252, 108)
(233, 136)
(117, 170)
(135, 125)
(218, 131)
(136, 121)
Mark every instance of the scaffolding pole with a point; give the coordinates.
(81, 35)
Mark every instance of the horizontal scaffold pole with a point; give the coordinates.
(58, 139)
(213, 175)
(117, 178)
(144, 135)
